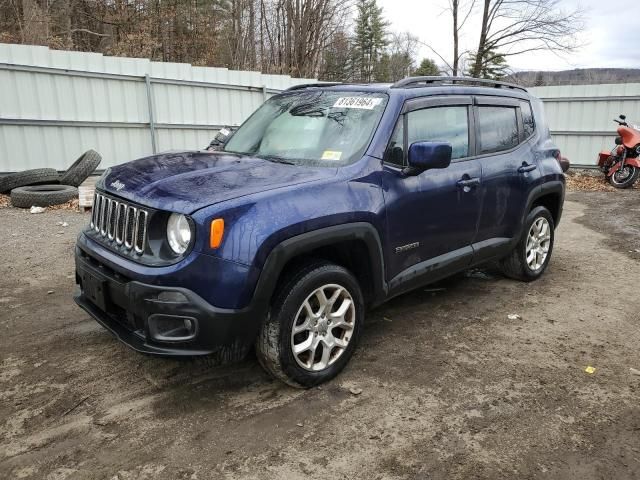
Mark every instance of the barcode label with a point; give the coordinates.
(364, 103)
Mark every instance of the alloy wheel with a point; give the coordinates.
(323, 327)
(538, 243)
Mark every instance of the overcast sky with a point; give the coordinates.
(610, 38)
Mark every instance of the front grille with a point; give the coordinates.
(119, 223)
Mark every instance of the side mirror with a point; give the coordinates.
(426, 155)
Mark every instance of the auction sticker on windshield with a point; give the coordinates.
(365, 103)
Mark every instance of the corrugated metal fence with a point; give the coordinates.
(581, 116)
(54, 105)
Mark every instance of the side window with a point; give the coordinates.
(527, 119)
(497, 129)
(395, 150)
(441, 124)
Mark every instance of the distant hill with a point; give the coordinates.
(585, 76)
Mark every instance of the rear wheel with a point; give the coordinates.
(624, 177)
(530, 257)
(313, 326)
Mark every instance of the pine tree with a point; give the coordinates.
(427, 68)
(382, 70)
(493, 66)
(337, 60)
(370, 38)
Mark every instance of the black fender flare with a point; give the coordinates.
(308, 241)
(546, 188)
(556, 187)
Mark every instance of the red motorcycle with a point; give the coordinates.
(621, 166)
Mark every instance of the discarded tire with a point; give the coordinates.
(28, 177)
(81, 168)
(42, 195)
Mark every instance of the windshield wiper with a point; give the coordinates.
(275, 159)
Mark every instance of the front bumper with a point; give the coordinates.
(132, 311)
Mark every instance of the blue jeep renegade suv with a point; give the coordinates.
(328, 200)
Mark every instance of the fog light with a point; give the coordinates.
(188, 325)
(172, 328)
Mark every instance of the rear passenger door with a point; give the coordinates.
(509, 171)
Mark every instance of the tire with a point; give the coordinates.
(28, 177)
(274, 346)
(80, 170)
(627, 181)
(516, 264)
(42, 195)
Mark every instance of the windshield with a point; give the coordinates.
(314, 128)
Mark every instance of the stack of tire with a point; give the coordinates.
(43, 187)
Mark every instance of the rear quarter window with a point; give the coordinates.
(528, 122)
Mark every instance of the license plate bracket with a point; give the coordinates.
(95, 289)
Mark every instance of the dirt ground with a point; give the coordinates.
(451, 387)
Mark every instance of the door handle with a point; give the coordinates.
(527, 167)
(467, 183)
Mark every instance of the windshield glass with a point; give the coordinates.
(314, 128)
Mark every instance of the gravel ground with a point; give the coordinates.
(451, 387)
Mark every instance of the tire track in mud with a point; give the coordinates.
(451, 388)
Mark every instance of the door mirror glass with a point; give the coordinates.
(427, 155)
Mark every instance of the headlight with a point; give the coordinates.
(178, 233)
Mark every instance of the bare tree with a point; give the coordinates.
(35, 22)
(401, 56)
(299, 31)
(457, 7)
(513, 27)
(275, 36)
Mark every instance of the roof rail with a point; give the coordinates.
(428, 81)
(305, 85)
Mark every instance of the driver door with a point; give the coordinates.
(431, 217)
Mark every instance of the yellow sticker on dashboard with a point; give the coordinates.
(331, 155)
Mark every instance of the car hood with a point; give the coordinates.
(187, 181)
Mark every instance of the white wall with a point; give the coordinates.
(581, 116)
(54, 105)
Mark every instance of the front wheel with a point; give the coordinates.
(530, 257)
(624, 177)
(313, 325)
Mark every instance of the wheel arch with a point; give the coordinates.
(355, 246)
(551, 196)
